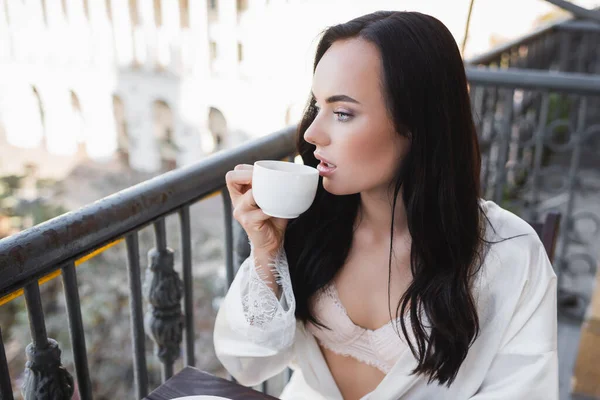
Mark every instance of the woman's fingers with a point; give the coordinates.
(238, 182)
(246, 202)
(239, 177)
(263, 231)
(243, 167)
(253, 219)
(247, 212)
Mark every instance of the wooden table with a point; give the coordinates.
(191, 381)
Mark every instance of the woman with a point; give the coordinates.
(399, 281)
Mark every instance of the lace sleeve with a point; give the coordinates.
(257, 312)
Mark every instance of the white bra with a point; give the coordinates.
(380, 348)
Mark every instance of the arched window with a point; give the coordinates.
(78, 124)
(40, 115)
(218, 127)
(163, 133)
(121, 127)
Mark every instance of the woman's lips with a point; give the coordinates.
(325, 169)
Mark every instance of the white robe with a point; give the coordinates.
(514, 357)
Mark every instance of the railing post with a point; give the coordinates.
(164, 290)
(45, 377)
(5, 385)
(188, 282)
(540, 135)
(564, 51)
(572, 181)
(71, 289)
(140, 371)
(241, 249)
(505, 136)
(228, 213)
(487, 134)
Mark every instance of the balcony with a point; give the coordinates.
(536, 103)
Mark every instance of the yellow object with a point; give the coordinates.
(586, 374)
(19, 292)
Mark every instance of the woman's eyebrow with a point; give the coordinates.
(340, 97)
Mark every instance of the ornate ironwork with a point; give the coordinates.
(546, 167)
(45, 377)
(536, 147)
(164, 319)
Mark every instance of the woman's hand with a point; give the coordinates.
(265, 232)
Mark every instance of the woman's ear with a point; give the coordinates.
(403, 144)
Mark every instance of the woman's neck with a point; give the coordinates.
(375, 214)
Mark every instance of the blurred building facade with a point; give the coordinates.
(164, 83)
(159, 83)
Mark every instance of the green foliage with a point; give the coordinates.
(9, 185)
(36, 210)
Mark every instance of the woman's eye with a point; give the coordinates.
(342, 116)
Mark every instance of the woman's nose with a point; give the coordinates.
(315, 134)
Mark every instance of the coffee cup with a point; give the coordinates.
(284, 189)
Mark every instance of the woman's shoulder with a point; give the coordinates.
(501, 223)
(514, 252)
(516, 280)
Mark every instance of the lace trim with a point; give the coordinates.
(331, 292)
(369, 361)
(268, 322)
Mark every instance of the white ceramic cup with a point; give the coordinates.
(284, 189)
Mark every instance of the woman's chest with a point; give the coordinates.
(370, 289)
(363, 343)
(353, 378)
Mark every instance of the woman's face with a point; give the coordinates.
(352, 129)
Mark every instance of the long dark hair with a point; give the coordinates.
(426, 93)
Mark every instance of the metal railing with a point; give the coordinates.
(576, 10)
(566, 46)
(538, 117)
(540, 140)
(58, 243)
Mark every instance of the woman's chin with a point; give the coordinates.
(335, 188)
(328, 186)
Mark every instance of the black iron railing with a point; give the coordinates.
(58, 243)
(569, 45)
